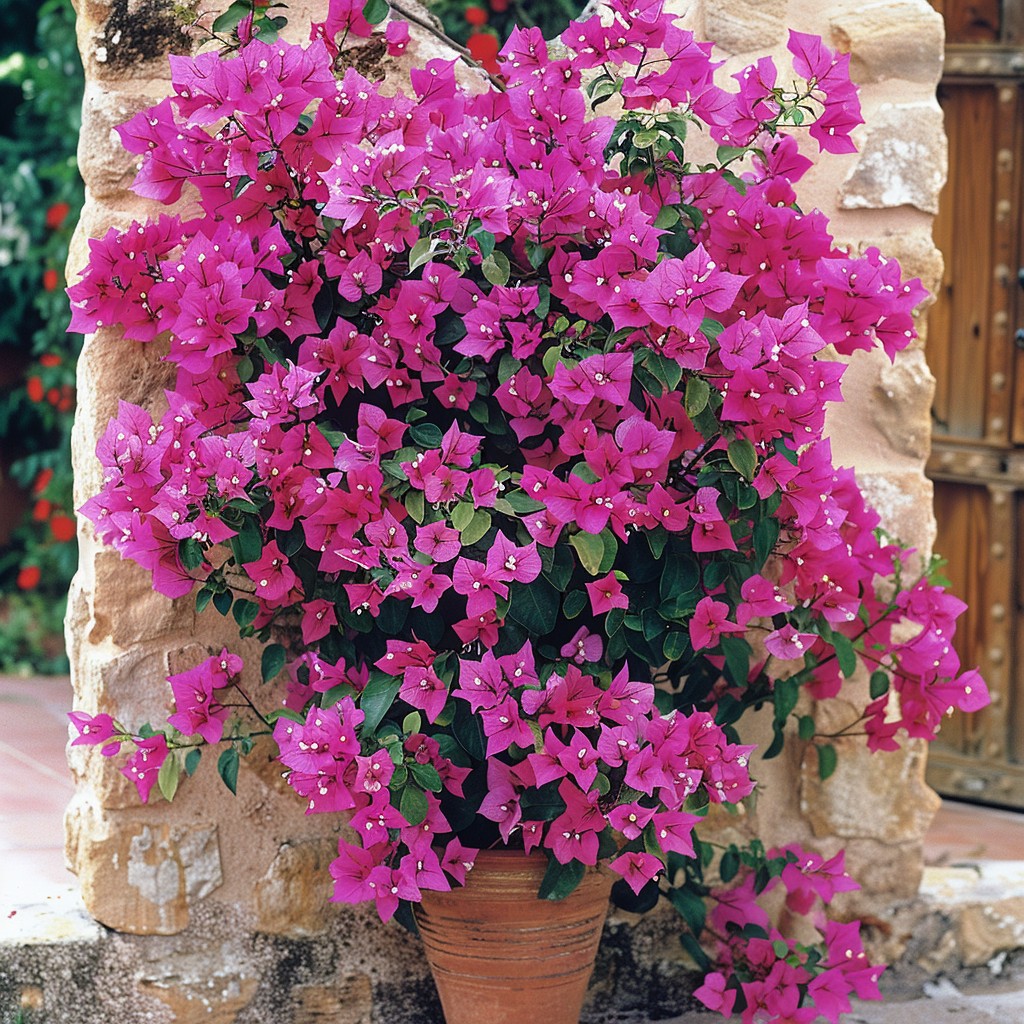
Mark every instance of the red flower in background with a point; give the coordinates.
(29, 577)
(476, 16)
(41, 510)
(62, 527)
(42, 481)
(34, 387)
(56, 215)
(484, 49)
(50, 280)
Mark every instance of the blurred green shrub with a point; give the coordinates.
(40, 113)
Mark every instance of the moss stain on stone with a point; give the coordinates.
(138, 31)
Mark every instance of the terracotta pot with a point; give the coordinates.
(499, 955)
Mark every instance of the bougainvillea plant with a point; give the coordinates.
(500, 422)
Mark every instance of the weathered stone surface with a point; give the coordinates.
(898, 409)
(109, 169)
(219, 1003)
(150, 873)
(347, 1002)
(886, 39)
(882, 796)
(292, 897)
(739, 26)
(986, 930)
(126, 37)
(902, 162)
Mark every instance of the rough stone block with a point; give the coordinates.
(140, 878)
(349, 1001)
(903, 389)
(292, 897)
(878, 796)
(985, 930)
(902, 39)
(903, 161)
(740, 26)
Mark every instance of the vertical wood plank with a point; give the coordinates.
(971, 21)
(960, 327)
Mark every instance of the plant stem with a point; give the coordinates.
(447, 40)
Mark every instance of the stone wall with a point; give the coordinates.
(225, 899)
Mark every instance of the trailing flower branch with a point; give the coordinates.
(489, 410)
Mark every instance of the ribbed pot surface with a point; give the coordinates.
(499, 955)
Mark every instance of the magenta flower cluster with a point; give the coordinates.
(490, 413)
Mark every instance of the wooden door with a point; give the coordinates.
(976, 350)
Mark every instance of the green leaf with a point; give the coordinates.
(244, 611)
(766, 536)
(485, 240)
(248, 545)
(222, 602)
(192, 759)
(827, 760)
(611, 549)
(691, 908)
(711, 329)
(675, 646)
(426, 775)
(522, 503)
(427, 435)
(667, 217)
(879, 685)
(574, 603)
(203, 598)
(478, 526)
(272, 661)
(726, 154)
(413, 804)
(227, 768)
(290, 713)
(421, 252)
(737, 659)
(729, 866)
(415, 505)
(845, 654)
(590, 548)
(786, 695)
(534, 606)
(232, 16)
(698, 391)
(169, 776)
(190, 551)
(375, 11)
(777, 743)
(496, 268)
(412, 722)
(743, 458)
(560, 879)
(668, 371)
(376, 700)
(635, 902)
(462, 515)
(806, 727)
